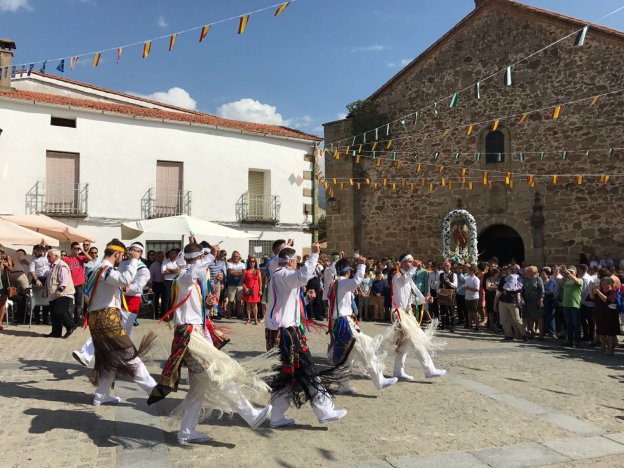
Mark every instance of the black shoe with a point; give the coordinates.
(508, 338)
(52, 335)
(451, 330)
(476, 328)
(524, 338)
(69, 332)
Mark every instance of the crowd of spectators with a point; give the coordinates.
(577, 303)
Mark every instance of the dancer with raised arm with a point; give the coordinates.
(298, 380)
(349, 345)
(408, 335)
(114, 352)
(217, 382)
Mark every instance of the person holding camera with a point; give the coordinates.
(252, 285)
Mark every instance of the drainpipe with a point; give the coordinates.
(314, 226)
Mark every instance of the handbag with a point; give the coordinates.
(446, 297)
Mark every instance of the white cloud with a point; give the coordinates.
(175, 96)
(162, 22)
(252, 111)
(14, 5)
(370, 48)
(341, 115)
(402, 63)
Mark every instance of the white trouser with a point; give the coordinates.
(371, 365)
(322, 406)
(195, 398)
(88, 350)
(143, 379)
(421, 355)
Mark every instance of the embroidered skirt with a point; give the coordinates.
(113, 347)
(298, 378)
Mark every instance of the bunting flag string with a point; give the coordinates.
(554, 110)
(146, 44)
(580, 36)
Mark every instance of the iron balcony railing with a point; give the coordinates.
(58, 199)
(162, 203)
(258, 208)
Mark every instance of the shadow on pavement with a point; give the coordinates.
(22, 333)
(59, 370)
(24, 391)
(100, 431)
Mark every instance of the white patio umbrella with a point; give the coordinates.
(182, 226)
(13, 235)
(50, 227)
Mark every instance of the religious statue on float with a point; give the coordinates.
(459, 237)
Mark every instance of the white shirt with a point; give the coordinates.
(344, 292)
(283, 308)
(191, 311)
(403, 289)
(588, 283)
(472, 282)
(39, 266)
(273, 264)
(434, 280)
(169, 265)
(108, 292)
(138, 283)
(329, 276)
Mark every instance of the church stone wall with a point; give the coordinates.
(575, 217)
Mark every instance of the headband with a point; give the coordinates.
(206, 251)
(345, 269)
(115, 247)
(406, 258)
(191, 255)
(137, 245)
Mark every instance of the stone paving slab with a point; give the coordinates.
(588, 447)
(519, 456)
(443, 460)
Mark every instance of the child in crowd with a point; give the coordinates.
(377, 294)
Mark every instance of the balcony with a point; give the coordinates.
(58, 199)
(258, 208)
(162, 203)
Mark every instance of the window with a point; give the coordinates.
(258, 202)
(61, 184)
(165, 246)
(495, 147)
(62, 122)
(168, 188)
(265, 245)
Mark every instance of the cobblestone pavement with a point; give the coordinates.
(502, 404)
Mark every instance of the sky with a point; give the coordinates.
(299, 69)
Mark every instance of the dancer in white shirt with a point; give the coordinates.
(114, 352)
(408, 335)
(349, 345)
(130, 306)
(298, 381)
(217, 382)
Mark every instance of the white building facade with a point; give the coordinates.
(95, 158)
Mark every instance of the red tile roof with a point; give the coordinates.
(135, 111)
(514, 7)
(112, 91)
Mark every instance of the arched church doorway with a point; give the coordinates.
(501, 241)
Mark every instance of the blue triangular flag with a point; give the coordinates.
(13, 71)
(30, 68)
(42, 69)
(61, 66)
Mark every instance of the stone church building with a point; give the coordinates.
(437, 161)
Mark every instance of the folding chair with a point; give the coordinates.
(35, 298)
